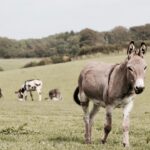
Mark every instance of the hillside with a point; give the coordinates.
(74, 44)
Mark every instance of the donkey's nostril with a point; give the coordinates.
(139, 90)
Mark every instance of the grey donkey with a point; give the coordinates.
(111, 86)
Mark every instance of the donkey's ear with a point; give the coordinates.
(142, 49)
(131, 48)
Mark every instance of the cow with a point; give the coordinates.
(55, 95)
(111, 86)
(29, 86)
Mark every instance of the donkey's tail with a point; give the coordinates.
(75, 96)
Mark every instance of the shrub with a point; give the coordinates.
(44, 61)
(1, 69)
(106, 49)
(66, 58)
(30, 64)
(60, 59)
(57, 59)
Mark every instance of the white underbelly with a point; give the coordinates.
(116, 103)
(99, 102)
(122, 102)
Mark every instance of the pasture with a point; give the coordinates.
(48, 125)
(10, 64)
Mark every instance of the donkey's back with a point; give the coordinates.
(93, 80)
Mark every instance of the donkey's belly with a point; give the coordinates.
(99, 102)
(122, 102)
(118, 103)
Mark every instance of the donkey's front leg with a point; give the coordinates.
(93, 112)
(126, 112)
(108, 123)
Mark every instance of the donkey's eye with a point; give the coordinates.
(130, 69)
(145, 67)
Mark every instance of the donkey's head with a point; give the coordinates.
(136, 66)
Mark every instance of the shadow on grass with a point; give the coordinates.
(19, 130)
(66, 139)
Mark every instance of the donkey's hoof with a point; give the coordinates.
(87, 142)
(103, 141)
(126, 145)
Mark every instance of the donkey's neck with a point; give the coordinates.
(119, 85)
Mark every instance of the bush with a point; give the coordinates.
(44, 61)
(1, 69)
(57, 59)
(66, 58)
(60, 59)
(30, 64)
(106, 49)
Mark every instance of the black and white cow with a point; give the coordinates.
(29, 86)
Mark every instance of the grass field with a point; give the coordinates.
(10, 64)
(45, 125)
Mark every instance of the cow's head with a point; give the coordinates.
(136, 66)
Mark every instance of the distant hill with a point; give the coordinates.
(73, 43)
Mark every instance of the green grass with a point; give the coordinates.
(10, 64)
(59, 125)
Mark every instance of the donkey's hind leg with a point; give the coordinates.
(85, 107)
(92, 114)
(108, 123)
(88, 117)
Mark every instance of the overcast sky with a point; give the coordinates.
(21, 19)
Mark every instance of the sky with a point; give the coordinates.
(23, 19)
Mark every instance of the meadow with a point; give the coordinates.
(10, 64)
(47, 125)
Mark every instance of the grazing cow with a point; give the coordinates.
(55, 95)
(1, 95)
(111, 86)
(29, 86)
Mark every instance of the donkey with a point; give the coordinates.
(111, 86)
(55, 95)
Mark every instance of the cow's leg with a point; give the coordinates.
(126, 111)
(40, 94)
(108, 123)
(25, 95)
(60, 97)
(31, 96)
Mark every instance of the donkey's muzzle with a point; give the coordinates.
(139, 90)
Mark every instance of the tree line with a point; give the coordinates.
(74, 44)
